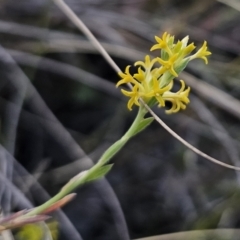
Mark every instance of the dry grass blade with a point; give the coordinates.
(231, 3)
(217, 96)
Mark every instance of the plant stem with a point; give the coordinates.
(81, 178)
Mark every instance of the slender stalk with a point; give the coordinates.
(124, 139)
(188, 145)
(82, 178)
(82, 27)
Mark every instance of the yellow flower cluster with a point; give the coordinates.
(154, 79)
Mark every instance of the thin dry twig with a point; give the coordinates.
(227, 142)
(82, 27)
(188, 145)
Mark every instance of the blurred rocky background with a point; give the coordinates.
(59, 111)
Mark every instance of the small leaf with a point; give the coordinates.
(99, 173)
(166, 78)
(12, 216)
(142, 125)
(179, 68)
(26, 220)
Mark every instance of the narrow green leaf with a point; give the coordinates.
(142, 125)
(111, 151)
(164, 55)
(166, 78)
(99, 173)
(180, 67)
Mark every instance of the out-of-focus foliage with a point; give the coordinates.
(38, 231)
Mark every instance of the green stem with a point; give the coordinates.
(111, 151)
(80, 179)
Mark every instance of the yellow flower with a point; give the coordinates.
(126, 77)
(168, 65)
(145, 83)
(145, 76)
(163, 43)
(157, 91)
(140, 76)
(134, 97)
(148, 64)
(188, 49)
(155, 78)
(202, 53)
(179, 99)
